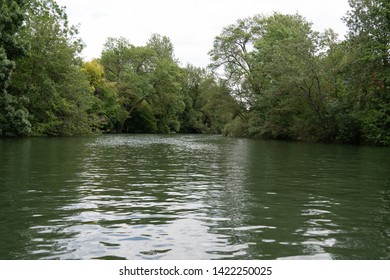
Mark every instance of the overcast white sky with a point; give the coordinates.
(190, 24)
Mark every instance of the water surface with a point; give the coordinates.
(192, 197)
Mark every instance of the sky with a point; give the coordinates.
(191, 25)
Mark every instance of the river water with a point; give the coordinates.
(192, 197)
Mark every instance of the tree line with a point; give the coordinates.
(270, 77)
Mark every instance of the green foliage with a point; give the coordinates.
(290, 55)
(142, 120)
(368, 68)
(232, 50)
(11, 18)
(107, 109)
(280, 79)
(162, 45)
(6, 67)
(208, 103)
(238, 127)
(295, 83)
(50, 74)
(145, 74)
(130, 89)
(14, 118)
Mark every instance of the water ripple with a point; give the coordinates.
(192, 197)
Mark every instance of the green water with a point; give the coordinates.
(192, 197)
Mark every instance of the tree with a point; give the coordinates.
(14, 117)
(129, 69)
(290, 54)
(192, 117)
(369, 27)
(168, 103)
(145, 74)
(275, 64)
(11, 18)
(162, 45)
(107, 105)
(208, 103)
(233, 50)
(367, 70)
(50, 74)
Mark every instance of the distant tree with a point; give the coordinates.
(162, 45)
(106, 107)
(208, 103)
(145, 76)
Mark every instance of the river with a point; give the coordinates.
(192, 197)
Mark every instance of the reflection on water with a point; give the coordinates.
(192, 197)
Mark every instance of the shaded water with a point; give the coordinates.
(192, 197)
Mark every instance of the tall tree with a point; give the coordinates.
(272, 65)
(233, 51)
(14, 117)
(367, 68)
(290, 54)
(130, 69)
(146, 77)
(162, 45)
(50, 74)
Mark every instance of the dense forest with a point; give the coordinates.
(270, 77)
